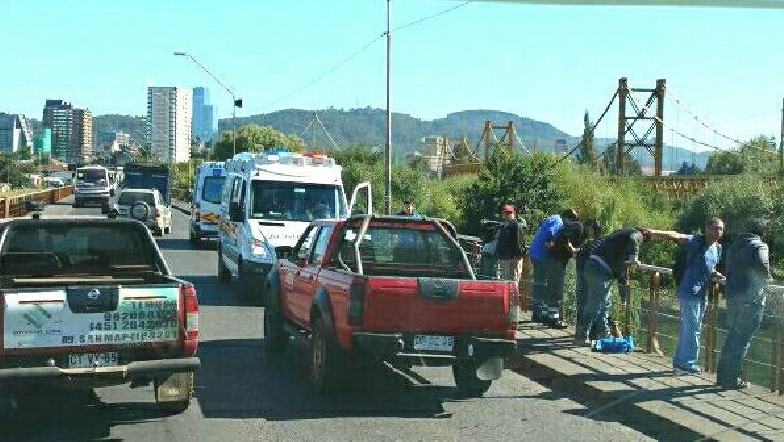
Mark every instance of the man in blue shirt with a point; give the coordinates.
(548, 269)
(703, 253)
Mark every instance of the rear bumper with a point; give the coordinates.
(399, 346)
(138, 369)
(200, 232)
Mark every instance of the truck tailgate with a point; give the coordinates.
(67, 319)
(435, 305)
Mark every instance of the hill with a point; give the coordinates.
(368, 126)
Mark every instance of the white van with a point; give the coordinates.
(205, 207)
(268, 201)
(92, 187)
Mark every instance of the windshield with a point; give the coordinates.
(128, 198)
(418, 249)
(296, 201)
(91, 176)
(60, 249)
(213, 189)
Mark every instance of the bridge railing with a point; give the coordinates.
(650, 313)
(15, 206)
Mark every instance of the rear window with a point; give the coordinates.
(48, 250)
(422, 250)
(128, 198)
(213, 189)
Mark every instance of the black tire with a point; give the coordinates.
(174, 407)
(325, 360)
(275, 336)
(224, 274)
(468, 383)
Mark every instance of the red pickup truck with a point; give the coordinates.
(391, 288)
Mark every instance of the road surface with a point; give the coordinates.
(244, 393)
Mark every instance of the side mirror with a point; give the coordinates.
(235, 212)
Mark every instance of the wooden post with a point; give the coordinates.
(653, 316)
(620, 150)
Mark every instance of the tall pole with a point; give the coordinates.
(661, 84)
(620, 147)
(388, 147)
(233, 124)
(781, 142)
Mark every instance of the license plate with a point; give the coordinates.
(434, 343)
(92, 360)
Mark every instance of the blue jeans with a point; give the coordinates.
(580, 299)
(687, 352)
(598, 281)
(555, 270)
(539, 285)
(744, 317)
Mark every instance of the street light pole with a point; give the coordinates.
(388, 147)
(235, 102)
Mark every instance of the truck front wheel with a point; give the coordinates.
(275, 335)
(468, 383)
(325, 360)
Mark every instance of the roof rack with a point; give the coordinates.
(245, 162)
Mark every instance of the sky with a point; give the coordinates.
(546, 62)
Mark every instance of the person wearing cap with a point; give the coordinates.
(748, 272)
(408, 209)
(510, 249)
(549, 271)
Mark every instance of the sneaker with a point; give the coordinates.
(686, 370)
(738, 385)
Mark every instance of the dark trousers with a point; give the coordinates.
(744, 317)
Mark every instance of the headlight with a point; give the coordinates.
(257, 248)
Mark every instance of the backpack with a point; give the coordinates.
(682, 260)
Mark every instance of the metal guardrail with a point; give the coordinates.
(15, 206)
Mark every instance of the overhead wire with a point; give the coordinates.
(593, 128)
(361, 50)
(699, 120)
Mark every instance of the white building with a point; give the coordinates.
(169, 119)
(15, 133)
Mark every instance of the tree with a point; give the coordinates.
(14, 172)
(255, 138)
(757, 156)
(688, 169)
(631, 167)
(528, 182)
(586, 153)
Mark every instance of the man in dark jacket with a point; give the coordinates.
(566, 243)
(510, 248)
(748, 272)
(593, 230)
(607, 262)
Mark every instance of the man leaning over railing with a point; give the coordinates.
(608, 261)
(748, 272)
(703, 253)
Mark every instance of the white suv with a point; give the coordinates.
(147, 206)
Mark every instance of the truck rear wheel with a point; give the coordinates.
(468, 383)
(275, 335)
(173, 393)
(325, 360)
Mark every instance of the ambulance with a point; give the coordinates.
(205, 207)
(268, 201)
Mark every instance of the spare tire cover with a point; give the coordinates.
(140, 211)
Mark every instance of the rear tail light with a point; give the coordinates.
(355, 304)
(514, 304)
(157, 212)
(190, 305)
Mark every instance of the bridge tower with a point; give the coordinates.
(627, 123)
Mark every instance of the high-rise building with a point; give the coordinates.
(72, 131)
(43, 144)
(169, 120)
(15, 133)
(204, 115)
